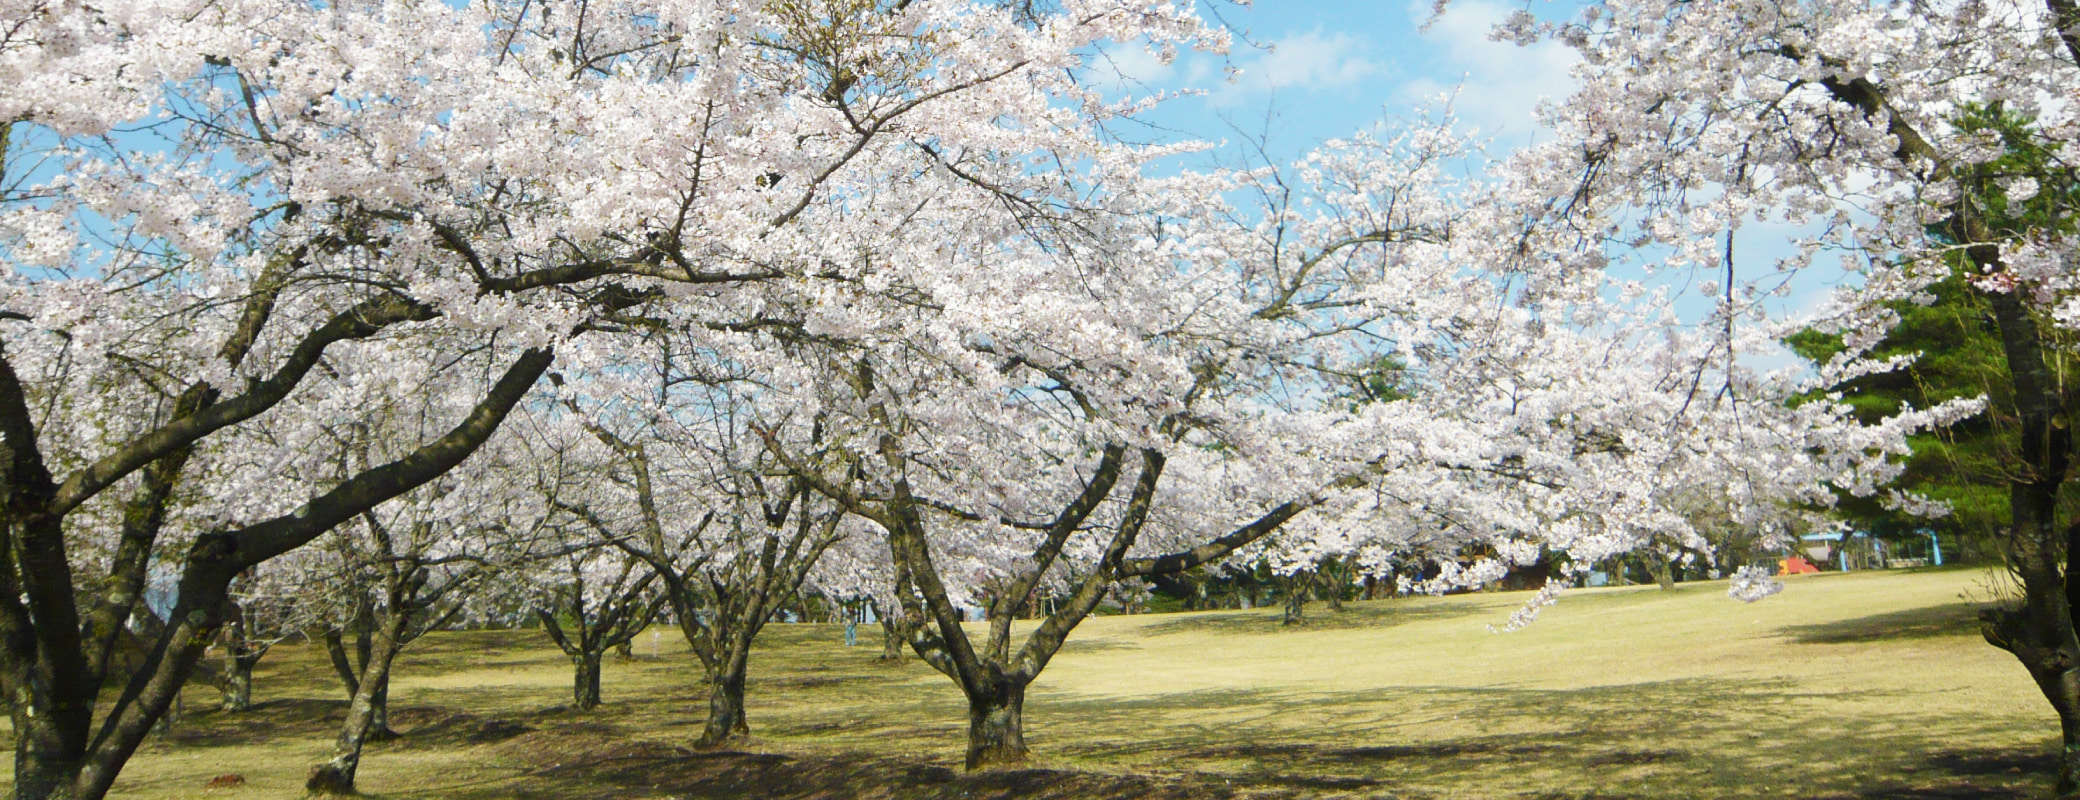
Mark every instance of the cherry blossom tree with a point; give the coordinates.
(1137, 376)
(688, 493)
(1917, 142)
(409, 566)
(994, 417)
(598, 601)
(326, 181)
(590, 597)
(264, 609)
(414, 577)
(857, 572)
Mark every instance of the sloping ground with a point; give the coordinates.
(1866, 685)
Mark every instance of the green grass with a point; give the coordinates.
(1862, 685)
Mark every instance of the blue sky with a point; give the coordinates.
(1308, 71)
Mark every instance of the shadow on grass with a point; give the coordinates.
(851, 682)
(1318, 617)
(1695, 738)
(842, 725)
(581, 770)
(1991, 774)
(1933, 622)
(301, 718)
(1709, 738)
(648, 769)
(1993, 762)
(429, 728)
(1094, 645)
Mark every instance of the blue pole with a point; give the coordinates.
(1935, 546)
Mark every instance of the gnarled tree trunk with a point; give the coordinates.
(366, 714)
(238, 681)
(994, 676)
(2043, 554)
(721, 612)
(891, 639)
(1663, 572)
(350, 670)
(612, 622)
(725, 708)
(585, 681)
(1333, 579)
(43, 764)
(241, 654)
(996, 723)
(61, 751)
(1295, 590)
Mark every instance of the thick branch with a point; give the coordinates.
(360, 322)
(265, 540)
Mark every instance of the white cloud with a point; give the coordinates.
(1499, 84)
(1308, 61)
(1131, 67)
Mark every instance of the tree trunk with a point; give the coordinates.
(349, 674)
(725, 708)
(366, 721)
(2069, 755)
(41, 769)
(891, 640)
(1663, 572)
(2040, 633)
(379, 715)
(168, 720)
(1296, 599)
(585, 685)
(996, 725)
(2051, 660)
(1333, 581)
(238, 681)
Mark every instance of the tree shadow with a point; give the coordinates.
(1094, 645)
(441, 728)
(1692, 737)
(1380, 614)
(1932, 622)
(1951, 775)
(264, 721)
(843, 725)
(650, 769)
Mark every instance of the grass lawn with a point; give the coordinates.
(1871, 684)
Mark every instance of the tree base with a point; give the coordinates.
(329, 779)
(731, 742)
(995, 757)
(996, 731)
(737, 736)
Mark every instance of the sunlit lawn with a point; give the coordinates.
(1860, 685)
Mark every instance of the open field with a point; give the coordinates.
(1843, 686)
